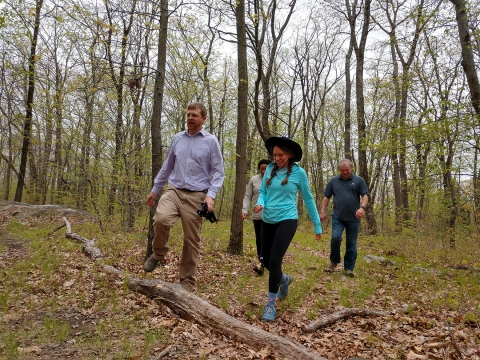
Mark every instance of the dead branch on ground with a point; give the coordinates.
(89, 247)
(193, 308)
(347, 313)
(56, 229)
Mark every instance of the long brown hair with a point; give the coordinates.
(291, 161)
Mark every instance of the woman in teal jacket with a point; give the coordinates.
(282, 181)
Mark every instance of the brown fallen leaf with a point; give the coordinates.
(29, 350)
(413, 356)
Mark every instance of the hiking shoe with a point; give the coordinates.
(331, 267)
(150, 264)
(349, 273)
(283, 288)
(269, 313)
(259, 269)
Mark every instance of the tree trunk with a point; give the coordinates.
(86, 145)
(57, 185)
(476, 187)
(156, 123)
(9, 161)
(468, 61)
(27, 126)
(44, 158)
(235, 245)
(360, 97)
(397, 190)
(118, 82)
(347, 146)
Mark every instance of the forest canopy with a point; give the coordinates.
(388, 84)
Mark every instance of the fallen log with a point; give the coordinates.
(349, 312)
(89, 247)
(339, 315)
(193, 308)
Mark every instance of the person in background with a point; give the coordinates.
(194, 171)
(347, 189)
(278, 199)
(251, 196)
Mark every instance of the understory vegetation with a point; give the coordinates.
(56, 303)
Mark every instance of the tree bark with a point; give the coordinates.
(118, 82)
(156, 123)
(346, 313)
(347, 146)
(193, 308)
(27, 126)
(359, 48)
(468, 62)
(235, 245)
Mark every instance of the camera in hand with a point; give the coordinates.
(210, 216)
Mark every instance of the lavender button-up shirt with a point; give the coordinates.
(193, 163)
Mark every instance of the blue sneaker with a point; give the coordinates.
(283, 288)
(269, 313)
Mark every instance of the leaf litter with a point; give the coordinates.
(82, 302)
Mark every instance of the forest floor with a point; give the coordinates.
(56, 303)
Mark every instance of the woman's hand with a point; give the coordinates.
(257, 208)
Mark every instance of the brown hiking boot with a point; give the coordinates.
(151, 264)
(349, 273)
(331, 267)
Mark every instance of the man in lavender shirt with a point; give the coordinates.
(193, 169)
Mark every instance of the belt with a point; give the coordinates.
(188, 190)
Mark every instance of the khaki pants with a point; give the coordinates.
(183, 204)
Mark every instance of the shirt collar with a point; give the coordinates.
(202, 132)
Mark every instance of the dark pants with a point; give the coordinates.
(276, 240)
(257, 225)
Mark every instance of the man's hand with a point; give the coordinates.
(244, 216)
(359, 213)
(318, 237)
(323, 216)
(210, 203)
(151, 199)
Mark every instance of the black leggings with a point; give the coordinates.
(257, 225)
(276, 240)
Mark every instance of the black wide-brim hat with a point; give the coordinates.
(284, 142)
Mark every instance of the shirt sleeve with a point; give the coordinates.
(167, 167)
(304, 187)
(364, 188)
(247, 199)
(217, 172)
(262, 193)
(328, 190)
